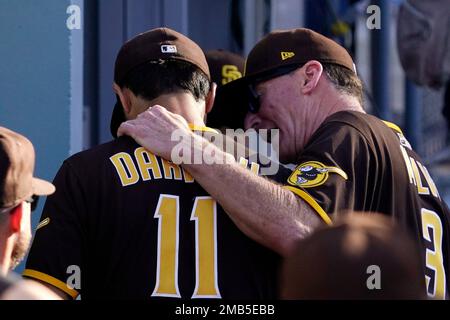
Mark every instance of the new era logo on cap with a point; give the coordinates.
(166, 48)
(286, 55)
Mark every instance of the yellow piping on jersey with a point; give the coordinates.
(393, 126)
(194, 127)
(313, 203)
(50, 280)
(43, 223)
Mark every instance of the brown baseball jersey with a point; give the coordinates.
(131, 225)
(358, 162)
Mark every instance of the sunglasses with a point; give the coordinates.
(33, 201)
(253, 97)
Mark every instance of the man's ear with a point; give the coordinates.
(15, 219)
(124, 96)
(209, 101)
(311, 73)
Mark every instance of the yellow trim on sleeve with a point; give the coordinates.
(43, 223)
(313, 203)
(393, 126)
(50, 280)
(193, 127)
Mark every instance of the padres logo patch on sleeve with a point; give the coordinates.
(312, 174)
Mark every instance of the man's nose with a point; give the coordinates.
(251, 121)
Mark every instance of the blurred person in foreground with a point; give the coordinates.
(19, 191)
(362, 256)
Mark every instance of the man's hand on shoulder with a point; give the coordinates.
(157, 129)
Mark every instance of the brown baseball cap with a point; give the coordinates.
(225, 66)
(153, 45)
(16, 170)
(278, 53)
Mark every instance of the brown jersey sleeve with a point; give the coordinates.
(325, 176)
